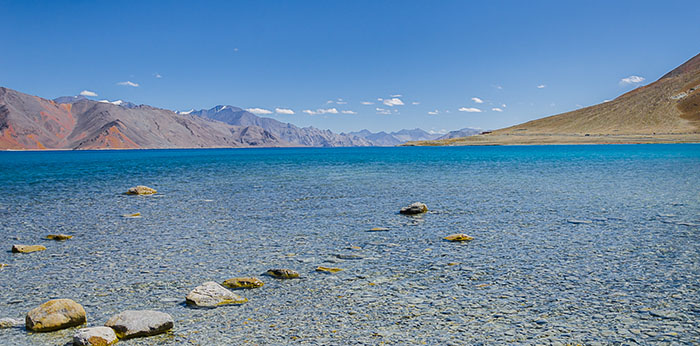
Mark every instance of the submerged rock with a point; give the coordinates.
(328, 269)
(578, 222)
(95, 336)
(10, 322)
(59, 237)
(243, 283)
(283, 273)
(413, 209)
(458, 237)
(134, 215)
(54, 315)
(27, 248)
(349, 256)
(210, 295)
(141, 190)
(137, 323)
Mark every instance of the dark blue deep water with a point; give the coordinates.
(630, 275)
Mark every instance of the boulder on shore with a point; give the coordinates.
(210, 295)
(54, 315)
(283, 273)
(137, 323)
(413, 209)
(243, 283)
(59, 237)
(327, 269)
(27, 248)
(95, 336)
(459, 237)
(140, 190)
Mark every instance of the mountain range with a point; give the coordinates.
(76, 122)
(665, 111)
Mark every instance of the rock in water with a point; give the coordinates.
(27, 248)
(283, 273)
(243, 283)
(378, 229)
(328, 269)
(9, 322)
(137, 323)
(459, 237)
(413, 209)
(141, 190)
(579, 222)
(54, 315)
(210, 295)
(95, 336)
(59, 237)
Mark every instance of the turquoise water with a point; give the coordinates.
(631, 275)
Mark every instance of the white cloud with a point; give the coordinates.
(383, 111)
(259, 110)
(415, 103)
(284, 111)
(157, 75)
(631, 80)
(348, 112)
(435, 112)
(498, 87)
(341, 102)
(128, 83)
(496, 109)
(470, 110)
(321, 111)
(503, 105)
(477, 100)
(395, 101)
(541, 86)
(397, 95)
(88, 93)
(367, 103)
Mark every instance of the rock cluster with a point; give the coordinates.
(243, 283)
(283, 273)
(414, 209)
(140, 190)
(138, 323)
(210, 295)
(54, 315)
(27, 248)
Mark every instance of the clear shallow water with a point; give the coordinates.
(630, 276)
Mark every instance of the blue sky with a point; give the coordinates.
(380, 65)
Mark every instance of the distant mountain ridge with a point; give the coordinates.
(306, 136)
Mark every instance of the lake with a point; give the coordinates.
(630, 273)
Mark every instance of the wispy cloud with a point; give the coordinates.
(470, 110)
(496, 109)
(129, 83)
(259, 110)
(477, 100)
(284, 111)
(348, 112)
(415, 103)
(321, 111)
(435, 112)
(397, 95)
(394, 101)
(541, 86)
(631, 80)
(366, 103)
(88, 93)
(383, 111)
(157, 75)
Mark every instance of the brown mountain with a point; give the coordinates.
(31, 122)
(666, 111)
